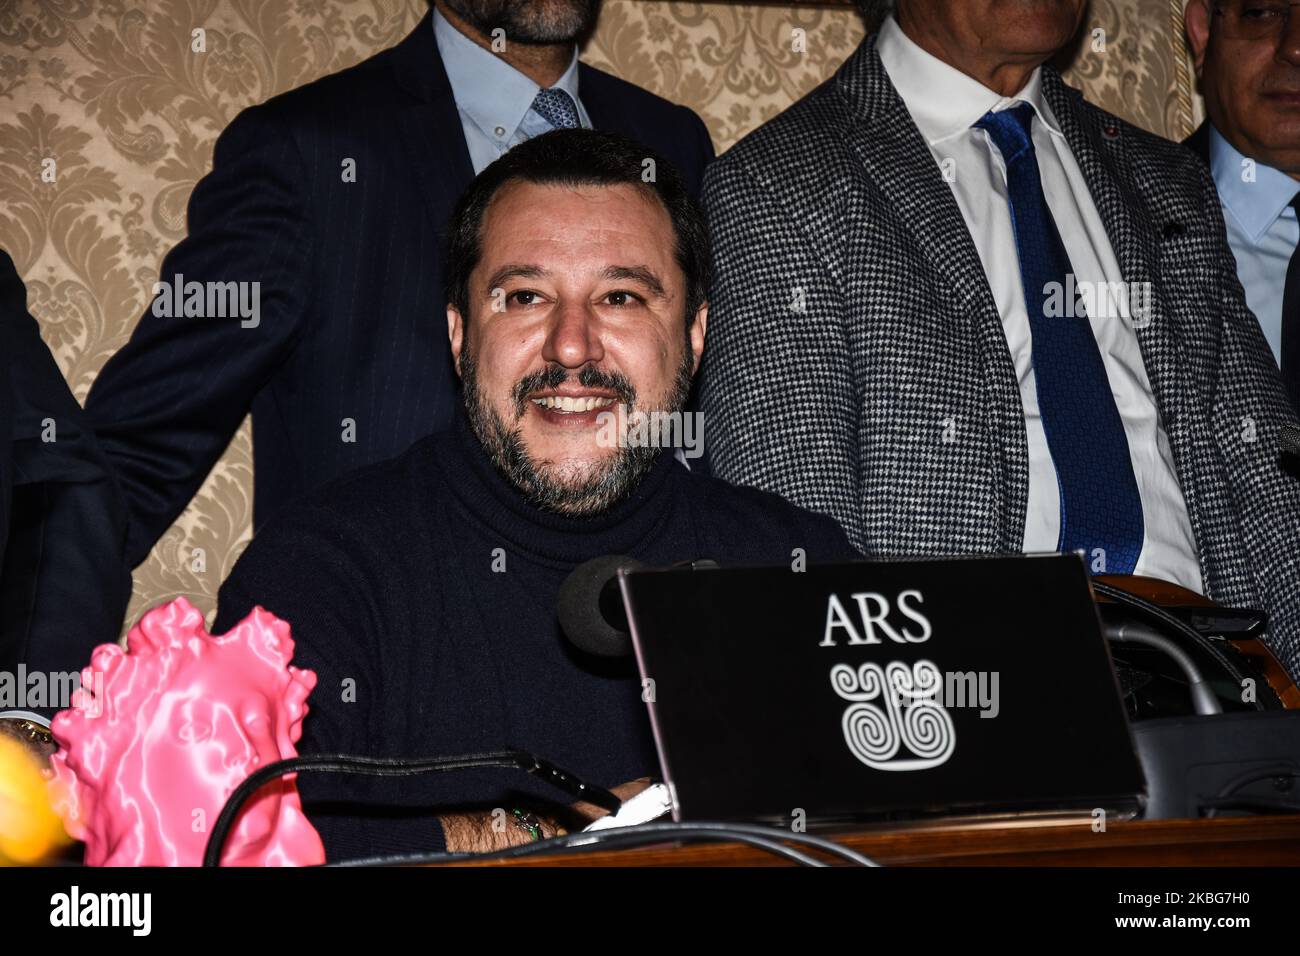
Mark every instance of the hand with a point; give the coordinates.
(495, 830)
(485, 832)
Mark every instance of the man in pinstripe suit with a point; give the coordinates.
(328, 203)
(961, 310)
(62, 582)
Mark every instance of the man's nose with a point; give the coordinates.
(573, 339)
(1288, 49)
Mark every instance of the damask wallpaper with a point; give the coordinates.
(111, 92)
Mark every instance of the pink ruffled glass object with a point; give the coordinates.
(161, 734)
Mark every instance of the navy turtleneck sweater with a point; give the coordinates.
(422, 591)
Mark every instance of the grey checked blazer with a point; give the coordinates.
(856, 362)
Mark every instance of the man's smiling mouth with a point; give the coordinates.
(573, 403)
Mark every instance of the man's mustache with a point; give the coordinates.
(553, 376)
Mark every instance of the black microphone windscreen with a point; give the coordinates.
(590, 609)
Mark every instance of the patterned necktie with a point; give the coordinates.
(557, 108)
(1290, 349)
(1100, 504)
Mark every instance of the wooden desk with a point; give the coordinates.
(1229, 841)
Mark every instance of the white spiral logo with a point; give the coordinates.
(911, 717)
(870, 734)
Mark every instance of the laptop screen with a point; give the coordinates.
(879, 687)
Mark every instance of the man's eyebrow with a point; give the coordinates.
(514, 270)
(642, 274)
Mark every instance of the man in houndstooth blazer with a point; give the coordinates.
(858, 362)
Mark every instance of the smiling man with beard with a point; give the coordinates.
(422, 590)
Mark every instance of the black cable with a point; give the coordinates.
(1209, 808)
(619, 838)
(1161, 617)
(727, 827)
(559, 846)
(1255, 774)
(765, 838)
(393, 767)
(1227, 799)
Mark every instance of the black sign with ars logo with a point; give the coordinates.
(929, 686)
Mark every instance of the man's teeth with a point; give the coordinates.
(564, 403)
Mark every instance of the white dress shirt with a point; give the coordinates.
(944, 103)
(494, 99)
(1262, 230)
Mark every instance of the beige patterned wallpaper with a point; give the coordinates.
(111, 92)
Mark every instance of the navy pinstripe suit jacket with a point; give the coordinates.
(63, 586)
(351, 324)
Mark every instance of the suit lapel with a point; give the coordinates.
(1100, 147)
(1137, 230)
(608, 111)
(900, 164)
(604, 114)
(429, 126)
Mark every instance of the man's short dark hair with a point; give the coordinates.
(580, 157)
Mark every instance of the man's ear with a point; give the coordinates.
(455, 333)
(698, 328)
(1196, 21)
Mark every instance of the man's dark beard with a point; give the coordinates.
(529, 21)
(611, 483)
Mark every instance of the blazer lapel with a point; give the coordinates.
(429, 126)
(608, 111)
(604, 113)
(1100, 147)
(900, 164)
(1103, 158)
(1138, 228)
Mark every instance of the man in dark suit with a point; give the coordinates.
(961, 310)
(310, 287)
(62, 581)
(1247, 56)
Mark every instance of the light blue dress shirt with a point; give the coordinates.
(494, 99)
(1262, 230)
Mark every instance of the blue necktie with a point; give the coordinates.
(1100, 503)
(557, 108)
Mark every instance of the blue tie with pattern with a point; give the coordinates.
(1100, 504)
(557, 108)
